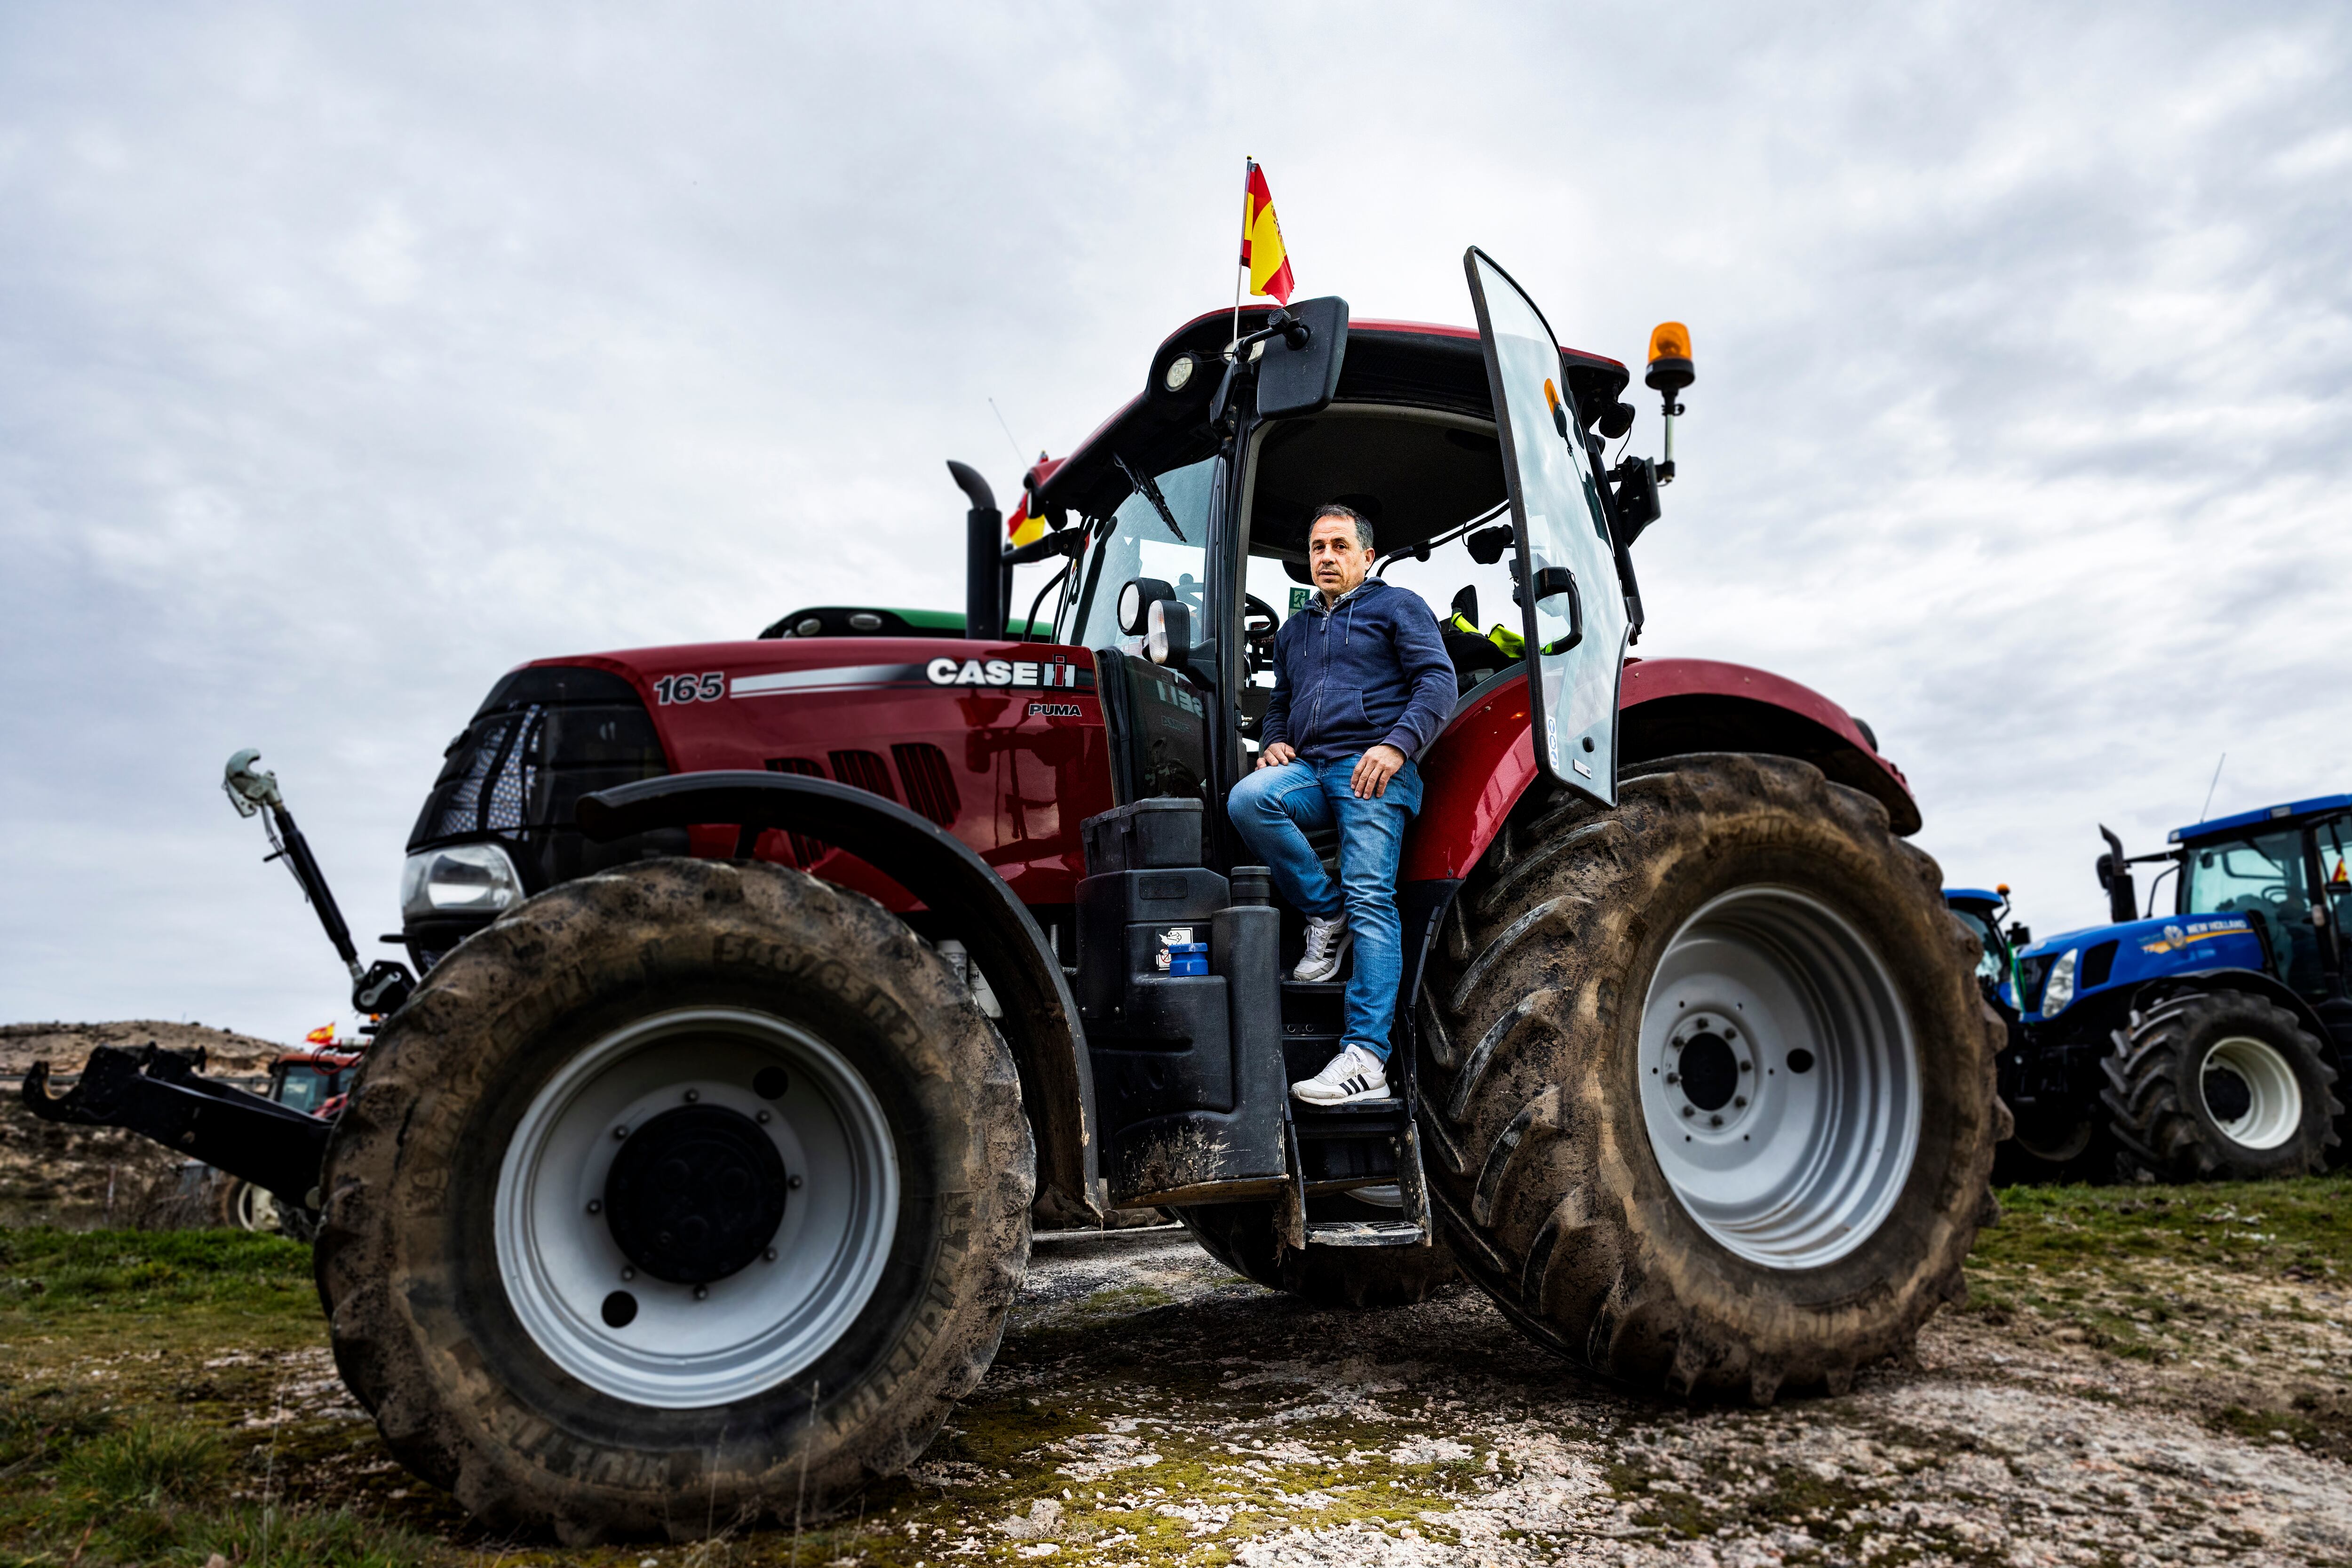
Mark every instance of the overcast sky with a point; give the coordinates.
(349, 356)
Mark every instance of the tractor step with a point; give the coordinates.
(1366, 1233)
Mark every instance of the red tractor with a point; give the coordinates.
(766, 986)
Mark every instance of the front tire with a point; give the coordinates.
(2219, 1087)
(684, 1196)
(1709, 1082)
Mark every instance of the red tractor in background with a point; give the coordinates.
(766, 986)
(316, 1082)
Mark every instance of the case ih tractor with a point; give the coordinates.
(2205, 1044)
(766, 984)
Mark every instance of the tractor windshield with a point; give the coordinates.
(1992, 963)
(1139, 541)
(2261, 878)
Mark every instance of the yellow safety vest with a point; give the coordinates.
(1510, 642)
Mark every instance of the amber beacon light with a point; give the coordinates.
(1670, 372)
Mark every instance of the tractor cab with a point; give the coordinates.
(1981, 910)
(1477, 456)
(2286, 871)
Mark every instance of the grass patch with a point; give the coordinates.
(336, 1538)
(45, 1272)
(2296, 1230)
(149, 1466)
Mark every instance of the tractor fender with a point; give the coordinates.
(1482, 762)
(2253, 982)
(1041, 1017)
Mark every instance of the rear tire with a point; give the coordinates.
(1779, 911)
(1242, 1237)
(457, 1242)
(2219, 1087)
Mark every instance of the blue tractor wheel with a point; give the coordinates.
(2220, 1085)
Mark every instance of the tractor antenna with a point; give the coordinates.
(2210, 788)
(1006, 428)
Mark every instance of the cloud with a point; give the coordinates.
(351, 358)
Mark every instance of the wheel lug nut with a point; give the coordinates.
(693, 1095)
(1714, 1121)
(1745, 1067)
(596, 1205)
(702, 1292)
(1674, 1077)
(1738, 1102)
(628, 1274)
(1730, 1033)
(1690, 1111)
(764, 1117)
(793, 1182)
(772, 1254)
(620, 1131)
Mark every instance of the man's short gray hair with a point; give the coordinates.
(1335, 508)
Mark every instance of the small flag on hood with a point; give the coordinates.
(1262, 249)
(324, 1035)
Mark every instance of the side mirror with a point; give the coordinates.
(1135, 602)
(2020, 934)
(1168, 633)
(1299, 372)
(1636, 496)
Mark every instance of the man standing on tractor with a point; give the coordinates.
(1363, 685)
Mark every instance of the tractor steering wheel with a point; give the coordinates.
(1259, 623)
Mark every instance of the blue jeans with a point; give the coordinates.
(1273, 808)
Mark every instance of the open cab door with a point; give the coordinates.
(1569, 596)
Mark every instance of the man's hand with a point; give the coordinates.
(1276, 753)
(1373, 771)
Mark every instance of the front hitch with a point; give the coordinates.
(159, 1095)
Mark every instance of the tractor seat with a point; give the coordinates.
(1474, 658)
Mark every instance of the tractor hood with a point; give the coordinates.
(2110, 956)
(1000, 743)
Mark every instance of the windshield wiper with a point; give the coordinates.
(1149, 489)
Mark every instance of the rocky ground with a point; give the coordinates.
(2141, 1377)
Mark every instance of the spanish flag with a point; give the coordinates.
(1263, 255)
(324, 1035)
(1021, 528)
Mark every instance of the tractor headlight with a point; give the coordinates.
(462, 880)
(2061, 988)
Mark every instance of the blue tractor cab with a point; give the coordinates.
(1981, 910)
(2204, 1043)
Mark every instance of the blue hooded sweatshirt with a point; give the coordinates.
(1368, 672)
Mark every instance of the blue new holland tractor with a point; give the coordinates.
(2202, 1045)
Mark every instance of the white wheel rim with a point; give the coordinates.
(255, 1209)
(1796, 1165)
(753, 1329)
(2275, 1108)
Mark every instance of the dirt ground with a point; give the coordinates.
(2141, 1377)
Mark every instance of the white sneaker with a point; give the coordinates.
(1354, 1074)
(1327, 944)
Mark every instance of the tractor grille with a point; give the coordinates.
(545, 737)
(931, 787)
(865, 771)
